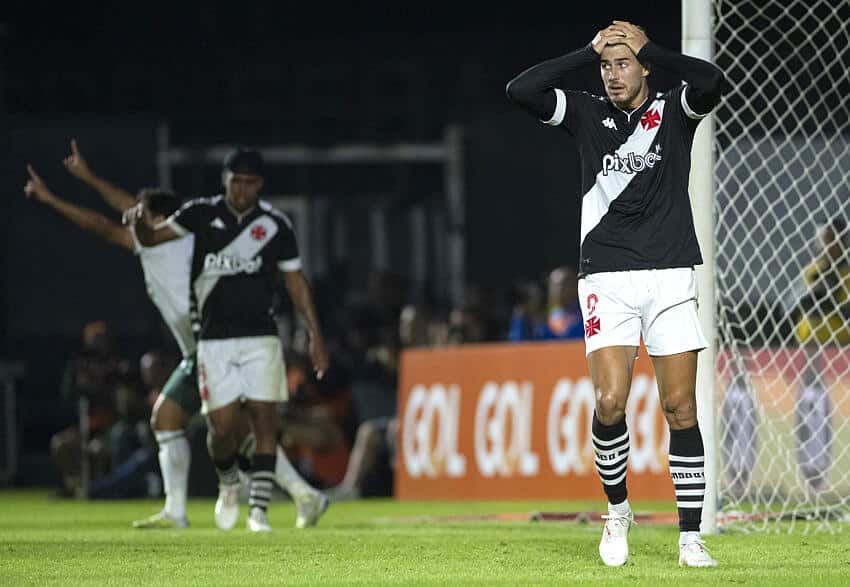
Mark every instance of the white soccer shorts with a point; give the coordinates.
(660, 305)
(236, 369)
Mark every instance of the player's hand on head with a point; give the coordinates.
(141, 212)
(607, 36)
(35, 187)
(133, 214)
(631, 35)
(76, 164)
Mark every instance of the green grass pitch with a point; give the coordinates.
(381, 542)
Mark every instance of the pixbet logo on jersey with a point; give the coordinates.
(630, 163)
(222, 264)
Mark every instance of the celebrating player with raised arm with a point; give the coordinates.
(638, 249)
(243, 248)
(167, 270)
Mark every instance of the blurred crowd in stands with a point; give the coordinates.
(338, 431)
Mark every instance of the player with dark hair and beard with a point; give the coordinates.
(638, 251)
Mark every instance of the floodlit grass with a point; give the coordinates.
(380, 542)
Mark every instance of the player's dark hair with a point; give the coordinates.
(645, 63)
(244, 160)
(161, 202)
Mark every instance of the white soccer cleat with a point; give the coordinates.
(161, 521)
(227, 506)
(310, 508)
(693, 554)
(614, 546)
(258, 521)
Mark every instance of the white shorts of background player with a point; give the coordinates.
(237, 369)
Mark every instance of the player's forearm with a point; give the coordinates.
(532, 89)
(707, 83)
(302, 299)
(86, 219)
(118, 198)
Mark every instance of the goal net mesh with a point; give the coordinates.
(782, 137)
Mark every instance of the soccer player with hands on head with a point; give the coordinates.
(638, 251)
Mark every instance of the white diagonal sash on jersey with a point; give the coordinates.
(597, 200)
(244, 246)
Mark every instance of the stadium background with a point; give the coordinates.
(258, 75)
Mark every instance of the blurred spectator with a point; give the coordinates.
(739, 423)
(135, 470)
(370, 467)
(438, 331)
(90, 383)
(413, 326)
(823, 313)
(528, 314)
(563, 318)
(488, 308)
(317, 424)
(467, 324)
(813, 427)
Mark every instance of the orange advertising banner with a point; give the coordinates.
(512, 421)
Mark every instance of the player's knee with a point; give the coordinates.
(222, 425)
(220, 444)
(155, 421)
(680, 409)
(168, 416)
(610, 406)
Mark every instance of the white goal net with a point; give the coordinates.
(782, 194)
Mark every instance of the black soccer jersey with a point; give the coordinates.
(635, 209)
(234, 264)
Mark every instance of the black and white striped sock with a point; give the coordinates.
(687, 468)
(262, 479)
(611, 445)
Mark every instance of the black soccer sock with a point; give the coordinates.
(228, 473)
(611, 445)
(245, 454)
(262, 480)
(687, 468)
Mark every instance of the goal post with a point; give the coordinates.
(697, 42)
